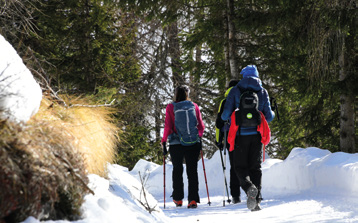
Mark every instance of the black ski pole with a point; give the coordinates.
(227, 191)
(206, 182)
(224, 163)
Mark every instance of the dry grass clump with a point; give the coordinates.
(41, 174)
(90, 129)
(44, 164)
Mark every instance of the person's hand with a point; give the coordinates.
(273, 103)
(219, 145)
(164, 147)
(200, 144)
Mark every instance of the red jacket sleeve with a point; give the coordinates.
(169, 127)
(232, 132)
(200, 125)
(264, 130)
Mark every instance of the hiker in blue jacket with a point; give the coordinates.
(248, 146)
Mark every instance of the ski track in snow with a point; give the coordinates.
(287, 209)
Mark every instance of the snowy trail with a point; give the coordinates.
(312, 185)
(287, 209)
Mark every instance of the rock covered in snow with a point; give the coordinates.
(20, 94)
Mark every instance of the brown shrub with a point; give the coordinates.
(44, 164)
(41, 174)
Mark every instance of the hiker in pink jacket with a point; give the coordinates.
(183, 130)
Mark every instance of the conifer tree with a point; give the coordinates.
(86, 43)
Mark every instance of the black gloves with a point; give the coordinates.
(274, 106)
(200, 144)
(273, 103)
(164, 147)
(219, 145)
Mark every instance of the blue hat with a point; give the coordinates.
(250, 71)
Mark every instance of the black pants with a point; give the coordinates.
(247, 161)
(234, 180)
(191, 155)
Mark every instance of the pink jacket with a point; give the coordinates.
(169, 126)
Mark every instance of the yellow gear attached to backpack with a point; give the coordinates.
(217, 131)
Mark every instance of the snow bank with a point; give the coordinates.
(309, 170)
(20, 94)
(313, 170)
(116, 199)
(306, 172)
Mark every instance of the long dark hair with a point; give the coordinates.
(181, 93)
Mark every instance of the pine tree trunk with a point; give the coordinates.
(226, 50)
(174, 53)
(232, 40)
(90, 76)
(194, 93)
(157, 117)
(347, 131)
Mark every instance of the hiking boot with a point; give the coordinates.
(257, 208)
(251, 197)
(236, 200)
(192, 204)
(178, 203)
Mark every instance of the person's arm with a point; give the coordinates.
(219, 123)
(169, 122)
(230, 104)
(200, 125)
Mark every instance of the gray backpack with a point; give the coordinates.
(186, 122)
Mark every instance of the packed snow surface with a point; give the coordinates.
(311, 185)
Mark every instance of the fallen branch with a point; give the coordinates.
(93, 106)
(146, 204)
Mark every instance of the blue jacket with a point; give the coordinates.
(233, 102)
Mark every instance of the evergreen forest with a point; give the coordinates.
(131, 54)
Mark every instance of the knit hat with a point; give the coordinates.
(250, 71)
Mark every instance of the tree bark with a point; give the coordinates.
(194, 93)
(232, 40)
(347, 117)
(174, 53)
(90, 76)
(157, 117)
(226, 49)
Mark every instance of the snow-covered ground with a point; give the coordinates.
(311, 185)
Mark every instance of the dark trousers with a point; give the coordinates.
(247, 161)
(191, 155)
(234, 180)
